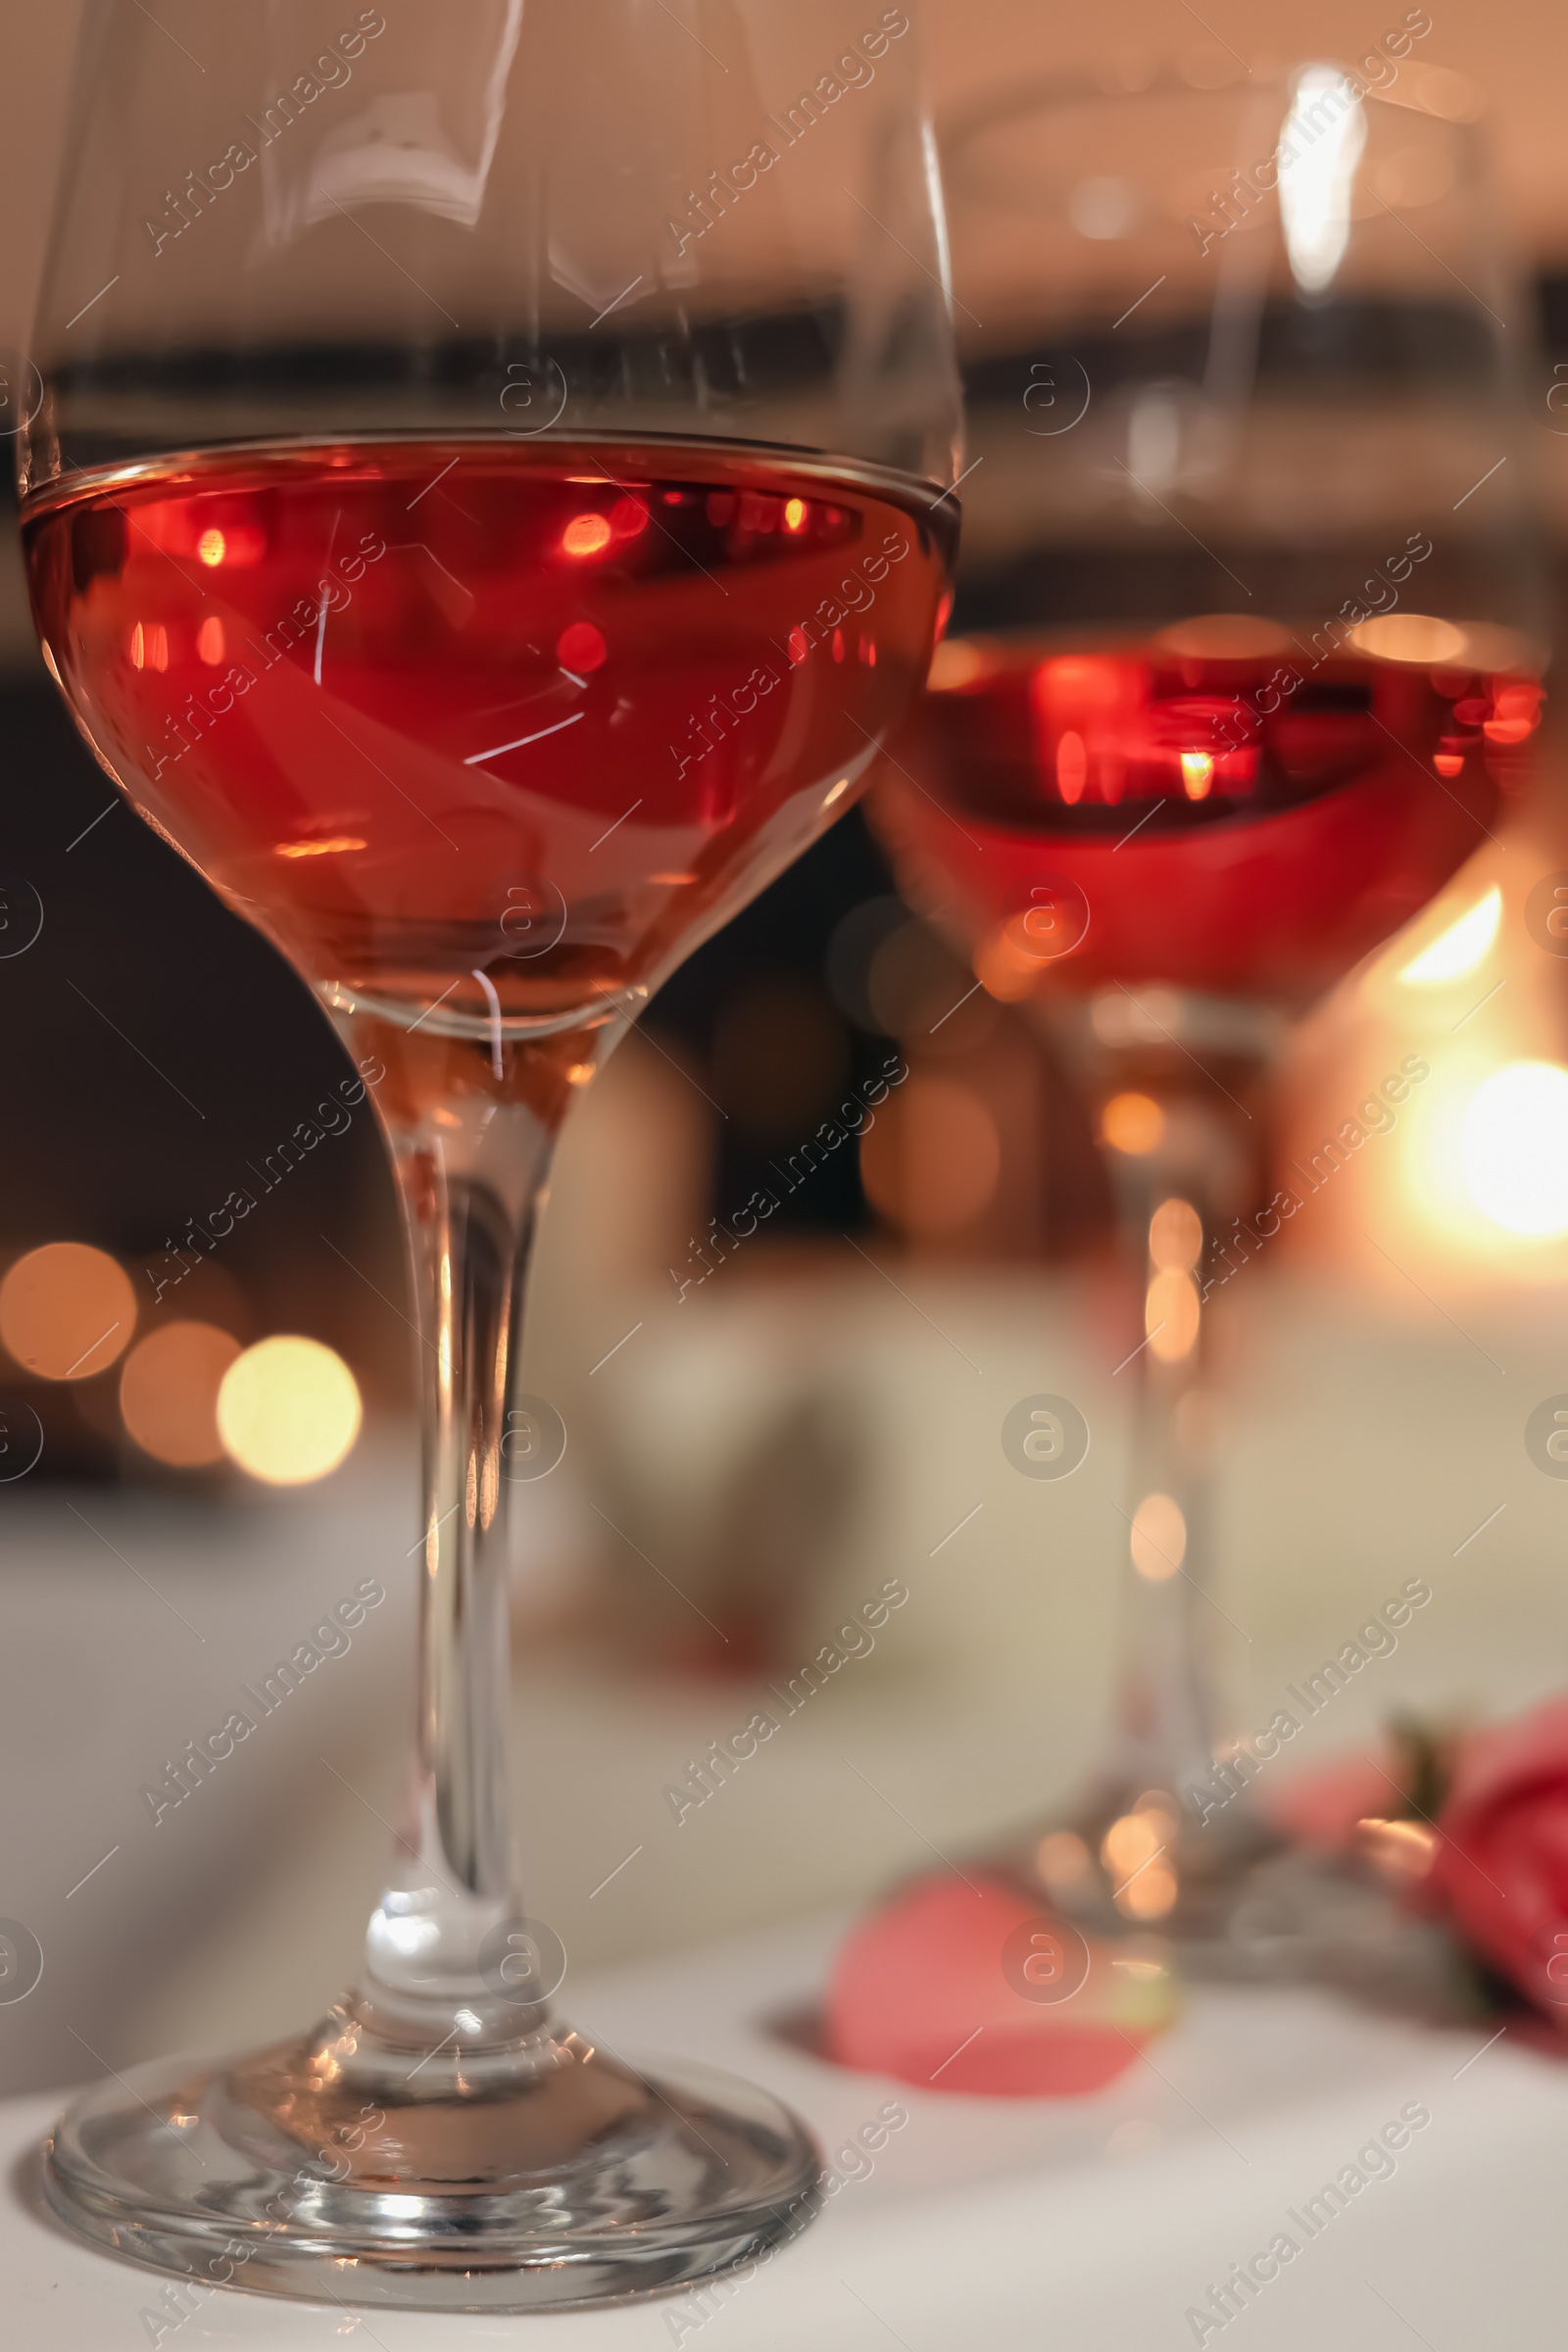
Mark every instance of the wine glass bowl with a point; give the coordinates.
(1206, 805)
(487, 504)
(361, 686)
(1250, 628)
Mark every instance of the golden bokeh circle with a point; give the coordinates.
(169, 1392)
(67, 1312)
(288, 1411)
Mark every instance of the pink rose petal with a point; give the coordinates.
(928, 1990)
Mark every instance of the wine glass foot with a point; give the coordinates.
(544, 2176)
(1236, 1901)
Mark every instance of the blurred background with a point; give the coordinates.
(766, 1423)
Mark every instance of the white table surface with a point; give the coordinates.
(1090, 2225)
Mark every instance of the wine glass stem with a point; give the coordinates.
(1171, 1712)
(472, 1126)
(1165, 1699)
(470, 1257)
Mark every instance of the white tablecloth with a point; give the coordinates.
(1091, 2226)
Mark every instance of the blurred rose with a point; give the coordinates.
(1502, 1867)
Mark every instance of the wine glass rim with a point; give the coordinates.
(920, 490)
(1064, 91)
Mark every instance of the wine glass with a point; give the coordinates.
(1247, 651)
(486, 499)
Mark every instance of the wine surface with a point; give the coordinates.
(1245, 824)
(500, 723)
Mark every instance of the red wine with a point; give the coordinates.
(1242, 824)
(448, 718)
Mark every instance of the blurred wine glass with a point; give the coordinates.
(1245, 660)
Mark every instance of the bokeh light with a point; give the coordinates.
(169, 1392)
(1131, 1123)
(1131, 1838)
(1062, 1860)
(288, 1411)
(1417, 637)
(1175, 1235)
(930, 1164)
(1515, 1148)
(959, 662)
(1004, 966)
(1171, 1316)
(1198, 774)
(1317, 172)
(1135, 1851)
(1159, 1538)
(1457, 950)
(1152, 1893)
(67, 1312)
(581, 647)
(586, 535)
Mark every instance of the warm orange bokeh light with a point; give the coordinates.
(1159, 1538)
(212, 547)
(1063, 1859)
(1198, 774)
(957, 662)
(586, 535)
(67, 1312)
(1175, 1237)
(169, 1392)
(210, 646)
(795, 514)
(1460, 948)
(1416, 637)
(930, 1163)
(1152, 1894)
(1171, 1316)
(1134, 1851)
(1131, 1123)
(1005, 967)
(1131, 1838)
